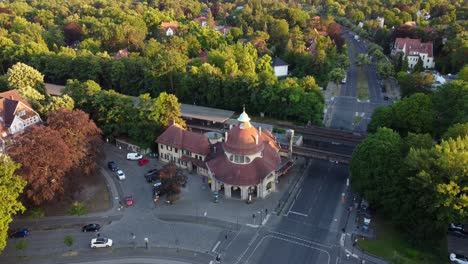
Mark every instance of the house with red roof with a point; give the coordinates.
(186, 149)
(415, 50)
(15, 114)
(245, 164)
(169, 27)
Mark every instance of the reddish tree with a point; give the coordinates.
(171, 181)
(335, 32)
(45, 160)
(73, 32)
(80, 134)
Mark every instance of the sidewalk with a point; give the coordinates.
(157, 255)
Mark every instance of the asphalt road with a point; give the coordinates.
(309, 231)
(348, 113)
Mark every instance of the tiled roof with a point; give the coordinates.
(278, 62)
(176, 136)
(14, 95)
(244, 174)
(9, 108)
(172, 24)
(414, 46)
(242, 141)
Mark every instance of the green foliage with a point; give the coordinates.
(451, 104)
(463, 74)
(455, 131)
(414, 114)
(36, 212)
(385, 69)
(362, 59)
(78, 209)
(21, 245)
(415, 83)
(57, 102)
(337, 75)
(11, 186)
(68, 240)
(25, 79)
(416, 141)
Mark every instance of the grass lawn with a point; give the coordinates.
(362, 85)
(391, 245)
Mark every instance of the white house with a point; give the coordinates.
(15, 114)
(169, 27)
(381, 21)
(414, 50)
(280, 67)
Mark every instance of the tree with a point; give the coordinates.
(11, 187)
(79, 133)
(451, 104)
(416, 141)
(166, 107)
(385, 69)
(58, 102)
(68, 240)
(362, 59)
(414, 114)
(455, 131)
(45, 159)
(415, 83)
(381, 117)
(337, 75)
(82, 93)
(463, 74)
(172, 180)
(375, 168)
(25, 79)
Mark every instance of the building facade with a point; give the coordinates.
(15, 114)
(414, 50)
(244, 164)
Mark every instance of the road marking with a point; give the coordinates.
(253, 238)
(216, 246)
(266, 219)
(342, 239)
(300, 239)
(297, 213)
(290, 241)
(250, 225)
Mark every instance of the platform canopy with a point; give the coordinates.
(205, 113)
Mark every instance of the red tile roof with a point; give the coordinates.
(14, 95)
(243, 141)
(176, 136)
(414, 46)
(172, 24)
(244, 174)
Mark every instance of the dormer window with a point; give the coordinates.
(22, 113)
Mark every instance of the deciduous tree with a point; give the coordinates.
(25, 79)
(11, 187)
(45, 159)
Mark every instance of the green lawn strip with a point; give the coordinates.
(362, 85)
(391, 245)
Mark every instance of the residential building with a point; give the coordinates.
(15, 114)
(280, 67)
(187, 149)
(381, 21)
(414, 50)
(169, 27)
(123, 53)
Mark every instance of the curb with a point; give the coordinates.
(293, 190)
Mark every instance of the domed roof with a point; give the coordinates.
(243, 139)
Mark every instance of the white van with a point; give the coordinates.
(134, 156)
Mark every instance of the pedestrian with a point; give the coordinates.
(98, 235)
(266, 211)
(225, 236)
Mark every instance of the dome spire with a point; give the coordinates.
(244, 117)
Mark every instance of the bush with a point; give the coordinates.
(36, 213)
(68, 240)
(78, 208)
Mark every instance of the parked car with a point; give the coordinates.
(129, 200)
(143, 162)
(101, 242)
(91, 228)
(23, 232)
(459, 259)
(134, 156)
(457, 230)
(152, 175)
(120, 174)
(112, 165)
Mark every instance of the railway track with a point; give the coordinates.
(321, 154)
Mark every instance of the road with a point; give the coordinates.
(310, 229)
(348, 113)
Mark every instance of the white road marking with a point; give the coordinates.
(300, 239)
(248, 247)
(250, 225)
(266, 219)
(290, 241)
(297, 213)
(342, 239)
(216, 246)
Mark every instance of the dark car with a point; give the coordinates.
(152, 175)
(112, 165)
(91, 228)
(23, 232)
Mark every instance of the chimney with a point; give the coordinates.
(260, 130)
(225, 136)
(256, 139)
(11, 97)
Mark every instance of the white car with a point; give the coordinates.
(134, 156)
(459, 259)
(101, 242)
(120, 174)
